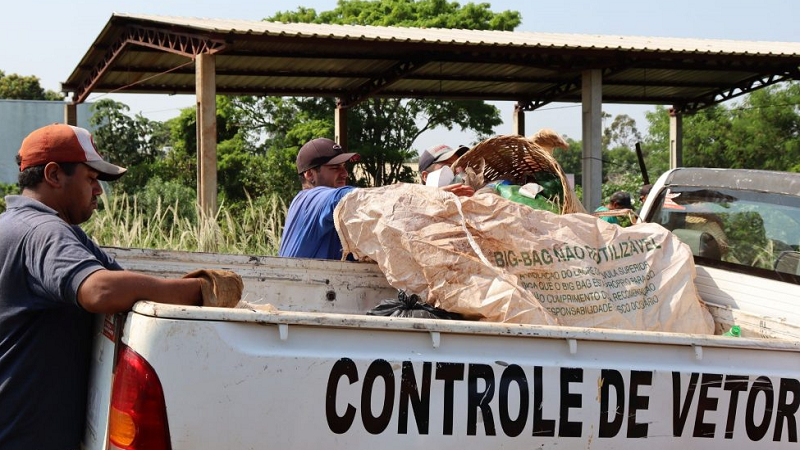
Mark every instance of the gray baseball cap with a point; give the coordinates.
(438, 153)
(321, 152)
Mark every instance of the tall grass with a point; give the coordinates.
(252, 229)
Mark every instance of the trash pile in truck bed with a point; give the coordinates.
(490, 258)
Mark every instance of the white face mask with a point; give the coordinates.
(439, 178)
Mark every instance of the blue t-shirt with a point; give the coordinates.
(45, 336)
(309, 231)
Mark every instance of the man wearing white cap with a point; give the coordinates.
(440, 156)
(52, 276)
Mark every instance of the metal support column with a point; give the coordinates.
(71, 114)
(519, 121)
(592, 97)
(675, 139)
(205, 70)
(340, 125)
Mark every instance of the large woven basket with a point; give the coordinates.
(518, 159)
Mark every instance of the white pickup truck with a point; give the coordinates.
(320, 373)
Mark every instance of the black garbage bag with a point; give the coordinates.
(411, 306)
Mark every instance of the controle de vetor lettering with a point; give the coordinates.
(404, 392)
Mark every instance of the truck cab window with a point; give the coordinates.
(735, 228)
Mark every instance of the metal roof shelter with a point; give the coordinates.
(151, 54)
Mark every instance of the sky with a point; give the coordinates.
(48, 38)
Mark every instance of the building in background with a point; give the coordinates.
(20, 117)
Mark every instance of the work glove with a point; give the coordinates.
(220, 288)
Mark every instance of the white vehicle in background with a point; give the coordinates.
(743, 227)
(320, 373)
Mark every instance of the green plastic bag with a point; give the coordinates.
(551, 184)
(511, 192)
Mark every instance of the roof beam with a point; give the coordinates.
(661, 83)
(178, 43)
(410, 76)
(551, 61)
(294, 92)
(710, 63)
(379, 83)
(453, 95)
(339, 74)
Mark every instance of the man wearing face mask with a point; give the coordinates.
(309, 231)
(437, 157)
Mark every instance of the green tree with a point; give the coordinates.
(571, 159)
(18, 87)
(760, 132)
(287, 123)
(656, 143)
(240, 172)
(124, 139)
(240, 166)
(408, 13)
(618, 162)
(384, 130)
(765, 129)
(133, 142)
(7, 189)
(183, 129)
(621, 133)
(619, 148)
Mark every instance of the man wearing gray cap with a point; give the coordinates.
(309, 231)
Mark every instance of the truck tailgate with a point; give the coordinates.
(253, 380)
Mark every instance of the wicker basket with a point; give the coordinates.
(518, 160)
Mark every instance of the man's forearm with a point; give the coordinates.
(111, 291)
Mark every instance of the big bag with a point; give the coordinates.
(491, 259)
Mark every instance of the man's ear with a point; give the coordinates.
(424, 176)
(53, 174)
(308, 175)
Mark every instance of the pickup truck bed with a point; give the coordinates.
(320, 373)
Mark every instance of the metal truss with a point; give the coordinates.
(379, 83)
(184, 44)
(557, 92)
(742, 88)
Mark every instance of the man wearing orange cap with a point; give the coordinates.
(52, 276)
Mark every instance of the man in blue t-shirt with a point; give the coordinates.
(309, 231)
(52, 277)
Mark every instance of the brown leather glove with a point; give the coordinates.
(220, 288)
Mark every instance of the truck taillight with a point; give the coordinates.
(138, 416)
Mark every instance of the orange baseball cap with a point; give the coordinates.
(64, 143)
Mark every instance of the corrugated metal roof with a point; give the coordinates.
(478, 37)
(141, 53)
